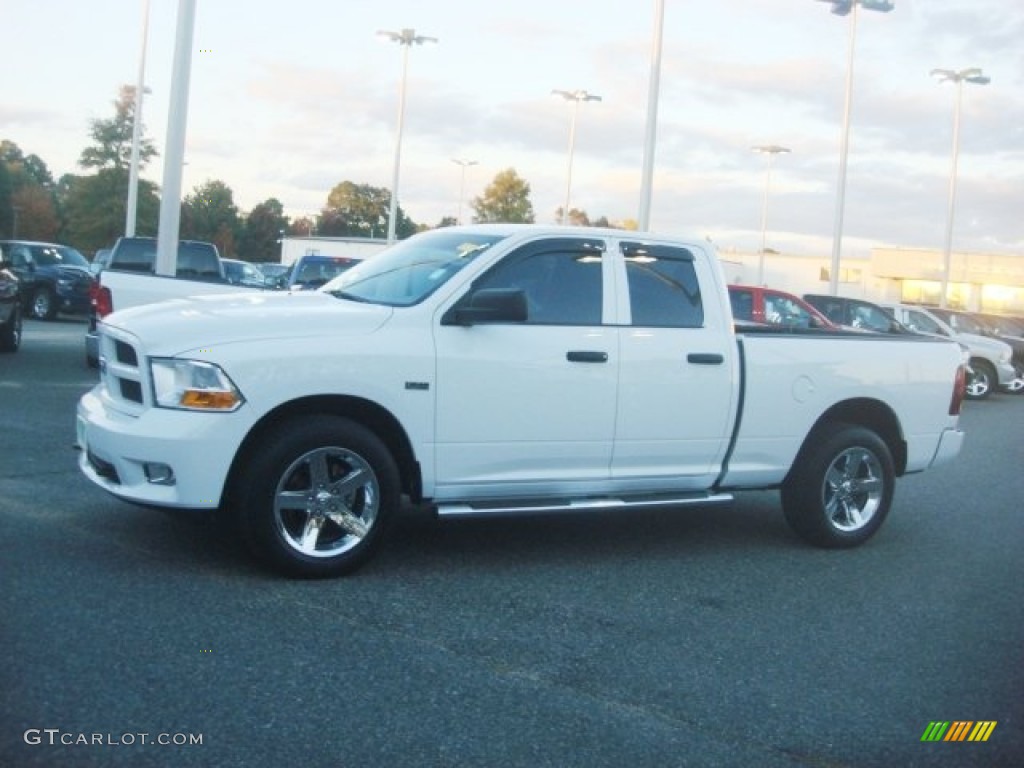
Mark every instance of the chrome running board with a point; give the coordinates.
(486, 507)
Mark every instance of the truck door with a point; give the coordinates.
(528, 406)
(677, 395)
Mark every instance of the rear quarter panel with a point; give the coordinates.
(791, 380)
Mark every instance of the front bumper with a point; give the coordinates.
(126, 454)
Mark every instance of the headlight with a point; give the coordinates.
(192, 385)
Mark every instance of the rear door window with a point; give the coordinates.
(663, 287)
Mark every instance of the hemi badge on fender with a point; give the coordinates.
(418, 385)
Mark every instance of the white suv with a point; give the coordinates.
(989, 358)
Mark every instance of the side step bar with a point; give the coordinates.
(486, 507)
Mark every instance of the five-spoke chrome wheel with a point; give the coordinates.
(853, 489)
(313, 494)
(840, 487)
(326, 502)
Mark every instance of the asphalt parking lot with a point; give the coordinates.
(697, 637)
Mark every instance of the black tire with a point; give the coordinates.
(10, 332)
(840, 488)
(314, 499)
(44, 304)
(981, 380)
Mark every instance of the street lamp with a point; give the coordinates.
(651, 131)
(970, 75)
(462, 184)
(770, 151)
(131, 206)
(576, 97)
(842, 8)
(406, 38)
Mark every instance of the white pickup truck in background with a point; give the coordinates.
(503, 369)
(127, 279)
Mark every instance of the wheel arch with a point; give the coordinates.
(870, 414)
(365, 412)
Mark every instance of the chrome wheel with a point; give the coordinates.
(326, 502)
(839, 489)
(979, 382)
(43, 307)
(853, 489)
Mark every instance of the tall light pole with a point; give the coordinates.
(576, 97)
(462, 184)
(842, 8)
(407, 38)
(174, 144)
(133, 175)
(770, 151)
(958, 78)
(650, 134)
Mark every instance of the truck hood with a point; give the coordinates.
(172, 327)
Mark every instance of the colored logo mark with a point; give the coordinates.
(959, 730)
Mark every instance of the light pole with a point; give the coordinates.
(970, 75)
(770, 151)
(842, 8)
(133, 174)
(576, 97)
(651, 131)
(406, 38)
(462, 184)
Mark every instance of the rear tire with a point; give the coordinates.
(314, 502)
(840, 488)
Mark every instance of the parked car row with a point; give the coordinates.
(993, 344)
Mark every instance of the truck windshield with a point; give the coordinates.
(411, 270)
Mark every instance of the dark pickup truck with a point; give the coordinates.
(54, 278)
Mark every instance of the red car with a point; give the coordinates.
(771, 307)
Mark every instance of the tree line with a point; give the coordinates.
(87, 211)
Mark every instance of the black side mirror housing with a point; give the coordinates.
(488, 305)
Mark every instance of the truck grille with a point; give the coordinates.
(123, 377)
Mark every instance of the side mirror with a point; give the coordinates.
(488, 305)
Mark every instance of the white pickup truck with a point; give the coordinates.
(501, 369)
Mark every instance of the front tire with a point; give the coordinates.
(840, 488)
(44, 304)
(981, 380)
(314, 502)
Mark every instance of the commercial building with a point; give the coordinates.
(978, 281)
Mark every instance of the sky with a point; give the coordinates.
(289, 99)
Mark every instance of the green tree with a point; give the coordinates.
(113, 137)
(506, 199)
(26, 189)
(6, 204)
(37, 213)
(94, 208)
(25, 170)
(304, 226)
(209, 213)
(361, 210)
(262, 231)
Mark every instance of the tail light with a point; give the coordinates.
(959, 390)
(101, 300)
